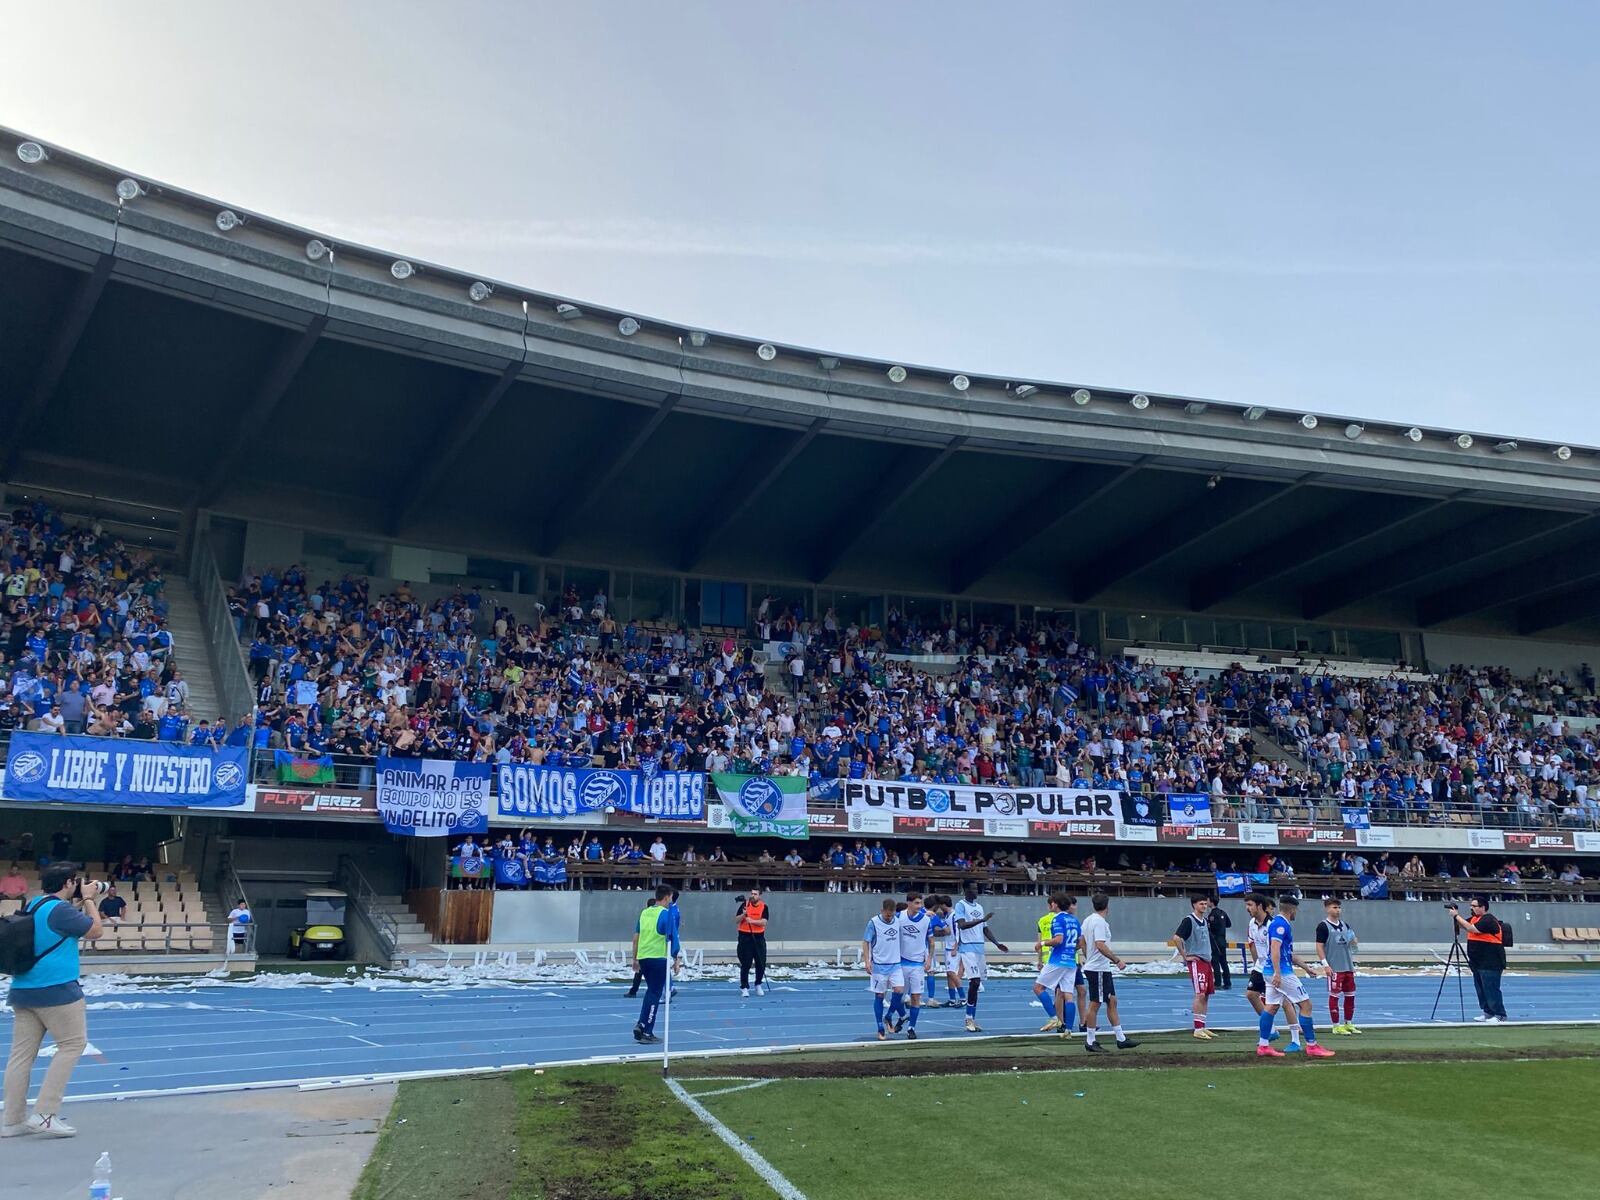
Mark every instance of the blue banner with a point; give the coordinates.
(555, 792)
(509, 872)
(1189, 809)
(1137, 810)
(1356, 818)
(1374, 887)
(1231, 883)
(90, 770)
(431, 797)
(550, 874)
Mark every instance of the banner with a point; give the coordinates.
(764, 805)
(302, 768)
(509, 872)
(1189, 809)
(539, 792)
(430, 797)
(1137, 810)
(550, 874)
(89, 770)
(1356, 818)
(289, 801)
(1374, 887)
(1231, 883)
(467, 868)
(305, 692)
(951, 807)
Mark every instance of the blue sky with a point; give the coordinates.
(1365, 209)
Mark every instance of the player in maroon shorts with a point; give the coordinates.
(1336, 943)
(1193, 939)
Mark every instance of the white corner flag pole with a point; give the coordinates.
(666, 1015)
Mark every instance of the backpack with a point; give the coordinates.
(16, 942)
(1506, 940)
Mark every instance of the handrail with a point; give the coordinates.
(363, 897)
(220, 633)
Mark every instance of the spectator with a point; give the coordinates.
(47, 999)
(13, 886)
(112, 907)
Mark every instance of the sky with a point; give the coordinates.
(1370, 210)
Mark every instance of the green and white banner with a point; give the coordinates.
(764, 805)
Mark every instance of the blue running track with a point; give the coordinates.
(226, 1036)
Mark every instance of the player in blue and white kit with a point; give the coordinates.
(915, 958)
(880, 950)
(1056, 977)
(1284, 986)
(972, 927)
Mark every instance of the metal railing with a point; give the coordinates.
(362, 899)
(220, 633)
(1032, 880)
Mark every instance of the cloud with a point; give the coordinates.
(663, 239)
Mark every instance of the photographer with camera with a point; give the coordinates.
(1486, 956)
(46, 997)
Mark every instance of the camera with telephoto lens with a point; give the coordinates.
(1452, 908)
(90, 889)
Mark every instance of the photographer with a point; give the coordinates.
(1486, 955)
(47, 998)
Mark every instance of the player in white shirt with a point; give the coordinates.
(972, 928)
(1260, 966)
(880, 950)
(1098, 960)
(916, 958)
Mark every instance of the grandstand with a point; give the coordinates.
(278, 509)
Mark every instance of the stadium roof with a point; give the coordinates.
(149, 354)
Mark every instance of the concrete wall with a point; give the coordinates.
(1522, 655)
(590, 918)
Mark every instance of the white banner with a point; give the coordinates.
(1256, 834)
(1004, 811)
(1376, 835)
(430, 797)
(1588, 843)
(1486, 839)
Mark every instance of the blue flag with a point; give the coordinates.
(1231, 883)
(1356, 818)
(508, 872)
(1189, 809)
(1374, 887)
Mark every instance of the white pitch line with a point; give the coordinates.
(364, 1042)
(738, 1087)
(770, 1175)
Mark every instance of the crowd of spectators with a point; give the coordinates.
(342, 671)
(84, 645)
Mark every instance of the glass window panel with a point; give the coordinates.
(1174, 630)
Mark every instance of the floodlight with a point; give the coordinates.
(960, 382)
(1504, 447)
(766, 352)
(1140, 401)
(128, 189)
(1464, 440)
(828, 363)
(1195, 407)
(698, 338)
(1023, 390)
(897, 374)
(1562, 452)
(401, 269)
(627, 327)
(1081, 397)
(1414, 434)
(316, 250)
(31, 153)
(479, 292)
(568, 312)
(1308, 421)
(1352, 431)
(1254, 413)
(228, 220)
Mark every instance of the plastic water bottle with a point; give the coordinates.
(100, 1189)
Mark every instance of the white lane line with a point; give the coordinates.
(738, 1087)
(363, 1041)
(770, 1175)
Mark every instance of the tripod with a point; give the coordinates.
(1456, 960)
